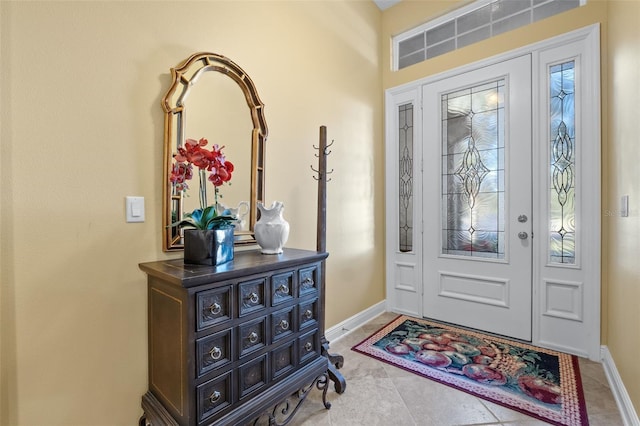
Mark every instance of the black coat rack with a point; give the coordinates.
(335, 361)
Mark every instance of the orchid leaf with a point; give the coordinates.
(208, 214)
(220, 222)
(205, 219)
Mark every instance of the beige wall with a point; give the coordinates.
(620, 56)
(622, 234)
(81, 128)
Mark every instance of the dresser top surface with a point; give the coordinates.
(244, 263)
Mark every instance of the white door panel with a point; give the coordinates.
(477, 199)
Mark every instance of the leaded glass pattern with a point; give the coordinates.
(473, 171)
(405, 181)
(562, 210)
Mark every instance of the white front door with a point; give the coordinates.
(477, 199)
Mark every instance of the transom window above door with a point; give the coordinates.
(477, 21)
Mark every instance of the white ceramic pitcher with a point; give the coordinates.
(272, 230)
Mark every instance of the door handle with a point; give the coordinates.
(523, 235)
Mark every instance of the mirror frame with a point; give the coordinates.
(174, 132)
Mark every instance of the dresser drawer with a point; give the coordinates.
(214, 307)
(309, 280)
(282, 288)
(252, 376)
(308, 314)
(282, 324)
(252, 336)
(252, 296)
(283, 359)
(308, 346)
(214, 395)
(214, 351)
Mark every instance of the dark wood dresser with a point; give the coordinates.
(229, 344)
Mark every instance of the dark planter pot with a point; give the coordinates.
(208, 247)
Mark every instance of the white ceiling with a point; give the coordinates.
(385, 4)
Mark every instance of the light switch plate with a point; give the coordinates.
(135, 209)
(624, 206)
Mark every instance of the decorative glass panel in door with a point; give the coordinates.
(405, 175)
(562, 192)
(473, 171)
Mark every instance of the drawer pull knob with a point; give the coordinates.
(284, 289)
(215, 353)
(215, 397)
(253, 298)
(308, 314)
(284, 324)
(253, 337)
(307, 282)
(215, 309)
(308, 346)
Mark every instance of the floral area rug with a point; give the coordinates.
(539, 382)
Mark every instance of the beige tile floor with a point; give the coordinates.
(380, 394)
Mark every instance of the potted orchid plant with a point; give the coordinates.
(208, 233)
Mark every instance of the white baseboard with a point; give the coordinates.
(345, 327)
(625, 406)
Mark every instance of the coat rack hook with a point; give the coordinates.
(326, 148)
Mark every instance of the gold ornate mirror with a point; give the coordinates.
(208, 84)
